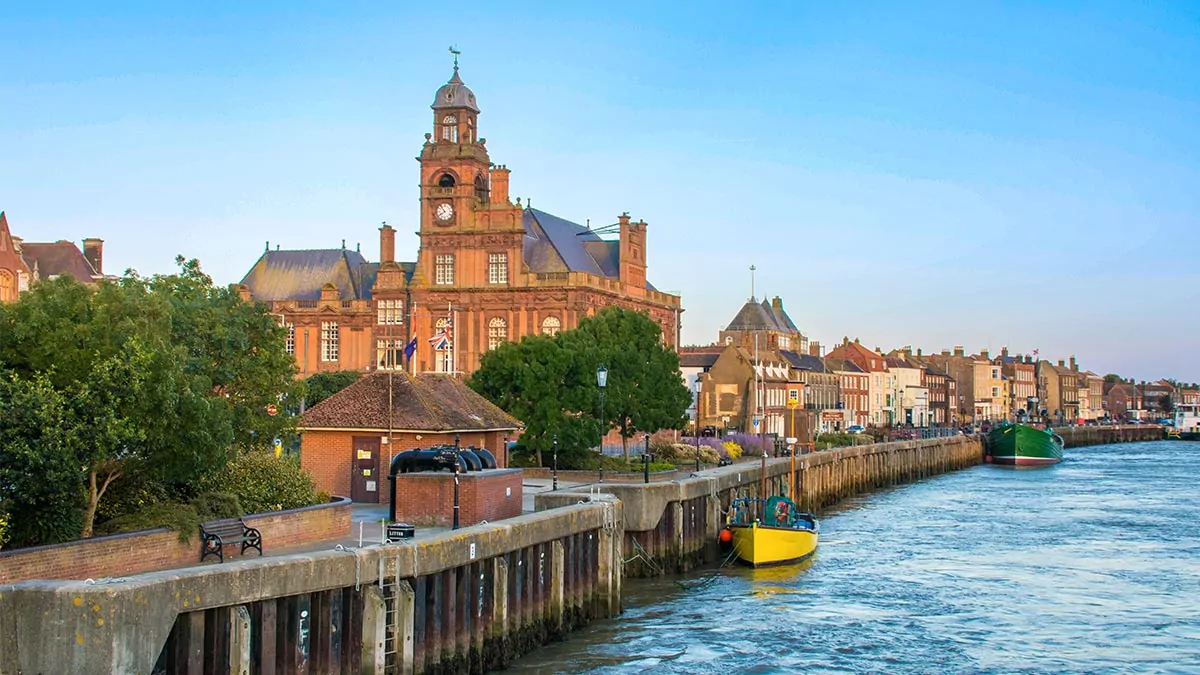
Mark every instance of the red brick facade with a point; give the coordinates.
(329, 455)
(427, 498)
(496, 269)
(150, 550)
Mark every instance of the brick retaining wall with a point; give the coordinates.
(122, 555)
(427, 497)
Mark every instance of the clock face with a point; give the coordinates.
(445, 212)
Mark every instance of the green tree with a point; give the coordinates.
(536, 381)
(41, 488)
(644, 391)
(163, 377)
(1113, 377)
(321, 386)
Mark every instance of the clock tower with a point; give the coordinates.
(471, 235)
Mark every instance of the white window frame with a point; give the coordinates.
(389, 312)
(389, 347)
(551, 325)
(444, 269)
(289, 342)
(497, 332)
(450, 128)
(497, 268)
(330, 341)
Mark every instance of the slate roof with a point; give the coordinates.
(698, 359)
(57, 259)
(843, 365)
(553, 244)
(754, 316)
(425, 402)
(804, 361)
(781, 316)
(299, 275)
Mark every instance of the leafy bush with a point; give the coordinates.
(181, 518)
(263, 482)
(215, 505)
(3, 530)
(684, 453)
(732, 449)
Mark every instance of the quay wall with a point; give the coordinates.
(131, 553)
(1074, 437)
(672, 526)
(468, 600)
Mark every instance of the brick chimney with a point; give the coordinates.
(499, 192)
(1074, 366)
(1004, 352)
(1062, 364)
(387, 244)
(985, 355)
(918, 352)
(93, 250)
(632, 246)
(958, 351)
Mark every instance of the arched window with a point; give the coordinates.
(551, 325)
(481, 188)
(446, 180)
(497, 332)
(8, 286)
(450, 128)
(443, 359)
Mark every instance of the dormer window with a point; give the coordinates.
(450, 128)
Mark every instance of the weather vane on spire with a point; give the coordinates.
(455, 52)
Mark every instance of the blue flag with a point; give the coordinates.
(411, 347)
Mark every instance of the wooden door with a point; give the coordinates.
(364, 466)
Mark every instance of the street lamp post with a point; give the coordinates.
(457, 460)
(555, 474)
(602, 382)
(696, 426)
(807, 395)
(646, 459)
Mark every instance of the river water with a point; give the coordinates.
(1090, 566)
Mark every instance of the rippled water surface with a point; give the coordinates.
(1091, 566)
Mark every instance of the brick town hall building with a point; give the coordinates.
(496, 270)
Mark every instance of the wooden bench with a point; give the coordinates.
(215, 534)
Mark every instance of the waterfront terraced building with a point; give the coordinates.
(488, 269)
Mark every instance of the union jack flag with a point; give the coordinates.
(441, 339)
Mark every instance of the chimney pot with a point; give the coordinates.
(985, 355)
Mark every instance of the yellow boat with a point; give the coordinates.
(770, 531)
(784, 535)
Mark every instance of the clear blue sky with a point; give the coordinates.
(931, 174)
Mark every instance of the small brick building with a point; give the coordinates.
(348, 440)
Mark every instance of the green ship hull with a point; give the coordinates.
(1021, 445)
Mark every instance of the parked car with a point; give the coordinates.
(855, 429)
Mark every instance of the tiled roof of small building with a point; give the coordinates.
(804, 361)
(60, 258)
(426, 402)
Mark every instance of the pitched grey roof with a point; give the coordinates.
(299, 275)
(803, 361)
(781, 316)
(553, 244)
(753, 316)
(454, 94)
